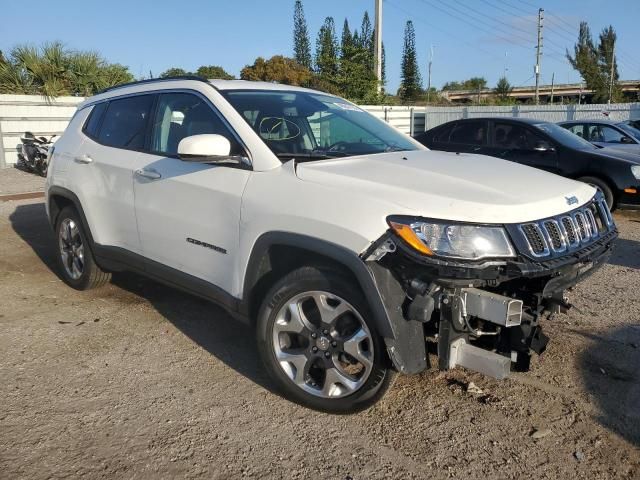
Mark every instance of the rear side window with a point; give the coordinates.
(125, 122)
(469, 133)
(442, 135)
(93, 122)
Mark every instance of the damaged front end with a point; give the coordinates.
(484, 314)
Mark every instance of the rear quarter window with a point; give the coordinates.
(92, 124)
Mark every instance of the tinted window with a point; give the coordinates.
(125, 122)
(514, 137)
(442, 135)
(605, 134)
(469, 133)
(180, 115)
(563, 136)
(577, 129)
(93, 122)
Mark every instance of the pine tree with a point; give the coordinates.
(301, 42)
(327, 51)
(411, 84)
(594, 62)
(367, 39)
(346, 44)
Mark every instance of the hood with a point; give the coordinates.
(628, 153)
(442, 185)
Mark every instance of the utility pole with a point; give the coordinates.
(553, 78)
(429, 75)
(539, 54)
(378, 44)
(613, 62)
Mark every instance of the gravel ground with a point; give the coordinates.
(137, 380)
(13, 180)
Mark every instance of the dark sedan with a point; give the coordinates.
(546, 146)
(606, 133)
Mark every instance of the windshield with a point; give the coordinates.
(565, 137)
(314, 126)
(634, 132)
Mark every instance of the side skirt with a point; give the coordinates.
(119, 259)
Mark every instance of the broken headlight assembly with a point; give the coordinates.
(461, 241)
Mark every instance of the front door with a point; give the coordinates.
(521, 144)
(188, 213)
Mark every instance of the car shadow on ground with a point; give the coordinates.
(206, 324)
(610, 368)
(626, 253)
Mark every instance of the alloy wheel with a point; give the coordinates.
(322, 344)
(71, 248)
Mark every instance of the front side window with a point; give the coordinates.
(125, 122)
(514, 137)
(180, 115)
(313, 125)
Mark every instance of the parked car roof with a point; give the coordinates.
(601, 121)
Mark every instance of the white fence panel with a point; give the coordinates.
(42, 117)
(551, 113)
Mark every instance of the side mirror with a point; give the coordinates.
(543, 146)
(626, 140)
(207, 148)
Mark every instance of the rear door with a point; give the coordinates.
(189, 213)
(104, 164)
(520, 143)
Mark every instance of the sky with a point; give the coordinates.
(486, 38)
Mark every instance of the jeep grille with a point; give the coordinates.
(567, 232)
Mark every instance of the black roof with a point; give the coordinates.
(529, 121)
(600, 121)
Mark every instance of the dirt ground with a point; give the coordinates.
(136, 380)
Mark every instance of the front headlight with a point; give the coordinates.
(453, 240)
(635, 170)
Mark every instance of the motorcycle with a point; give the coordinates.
(34, 153)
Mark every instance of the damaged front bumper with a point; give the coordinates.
(484, 315)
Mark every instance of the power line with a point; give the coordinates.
(412, 16)
(497, 20)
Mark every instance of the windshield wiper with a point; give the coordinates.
(307, 156)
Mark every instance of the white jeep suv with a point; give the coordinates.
(353, 249)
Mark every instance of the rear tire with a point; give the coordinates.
(603, 187)
(75, 259)
(318, 342)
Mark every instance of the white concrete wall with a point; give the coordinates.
(21, 113)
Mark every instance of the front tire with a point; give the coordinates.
(603, 187)
(75, 260)
(318, 342)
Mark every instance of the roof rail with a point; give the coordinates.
(153, 80)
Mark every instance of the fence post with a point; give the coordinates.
(386, 117)
(3, 160)
(516, 111)
(411, 121)
(465, 112)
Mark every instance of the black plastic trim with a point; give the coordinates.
(331, 250)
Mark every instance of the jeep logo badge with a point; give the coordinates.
(571, 200)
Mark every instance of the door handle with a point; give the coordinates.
(84, 159)
(148, 173)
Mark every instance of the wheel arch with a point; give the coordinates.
(276, 253)
(58, 199)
